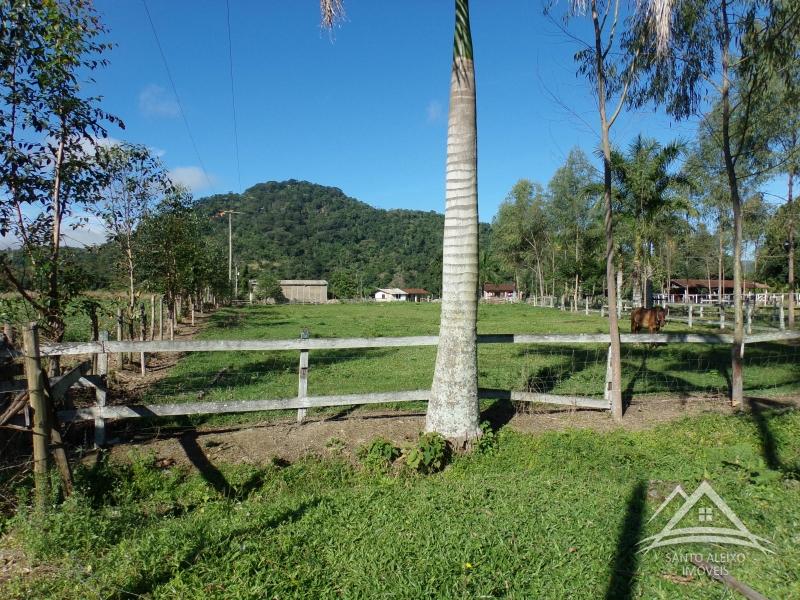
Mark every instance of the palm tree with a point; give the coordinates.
(651, 203)
(453, 405)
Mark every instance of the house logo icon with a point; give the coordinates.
(698, 523)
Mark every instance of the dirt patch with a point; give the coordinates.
(270, 441)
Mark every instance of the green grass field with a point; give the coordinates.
(555, 515)
(770, 368)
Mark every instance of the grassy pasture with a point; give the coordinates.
(770, 368)
(555, 515)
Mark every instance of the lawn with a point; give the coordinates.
(770, 368)
(554, 515)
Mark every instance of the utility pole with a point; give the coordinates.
(230, 241)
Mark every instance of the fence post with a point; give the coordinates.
(100, 395)
(191, 309)
(690, 315)
(609, 379)
(781, 316)
(722, 317)
(587, 307)
(142, 335)
(161, 318)
(41, 424)
(120, 355)
(602, 309)
(152, 316)
(701, 311)
(749, 318)
(302, 384)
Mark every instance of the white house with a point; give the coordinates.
(391, 295)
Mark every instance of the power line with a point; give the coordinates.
(233, 96)
(175, 92)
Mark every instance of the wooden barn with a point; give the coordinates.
(305, 291)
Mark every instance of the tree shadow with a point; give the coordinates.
(499, 413)
(762, 410)
(626, 559)
(627, 393)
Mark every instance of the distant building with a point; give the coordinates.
(305, 291)
(502, 291)
(391, 295)
(418, 295)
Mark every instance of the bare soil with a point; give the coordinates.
(341, 435)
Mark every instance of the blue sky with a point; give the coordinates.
(365, 111)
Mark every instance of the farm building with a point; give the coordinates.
(418, 295)
(698, 290)
(306, 291)
(391, 295)
(503, 291)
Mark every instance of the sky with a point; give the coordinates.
(363, 109)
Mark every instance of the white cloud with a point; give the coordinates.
(434, 111)
(155, 101)
(193, 178)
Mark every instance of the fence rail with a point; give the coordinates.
(100, 412)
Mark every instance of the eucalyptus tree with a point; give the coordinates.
(611, 72)
(520, 232)
(730, 49)
(46, 124)
(573, 213)
(653, 201)
(133, 182)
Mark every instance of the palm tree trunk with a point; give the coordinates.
(453, 409)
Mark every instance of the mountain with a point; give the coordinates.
(300, 230)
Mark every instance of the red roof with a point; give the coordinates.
(417, 291)
(499, 287)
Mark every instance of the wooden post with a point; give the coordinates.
(41, 424)
(152, 316)
(701, 311)
(101, 395)
(161, 318)
(142, 334)
(120, 355)
(690, 316)
(602, 310)
(171, 323)
(191, 310)
(609, 379)
(749, 318)
(721, 317)
(302, 384)
(781, 316)
(587, 307)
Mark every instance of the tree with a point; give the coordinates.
(453, 405)
(46, 126)
(573, 214)
(651, 203)
(611, 73)
(519, 232)
(133, 181)
(176, 256)
(731, 47)
(269, 286)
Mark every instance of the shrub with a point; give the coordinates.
(487, 443)
(379, 454)
(429, 455)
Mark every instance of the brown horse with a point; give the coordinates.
(652, 318)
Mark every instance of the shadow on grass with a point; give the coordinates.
(147, 582)
(762, 411)
(626, 559)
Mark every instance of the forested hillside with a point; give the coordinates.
(300, 230)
